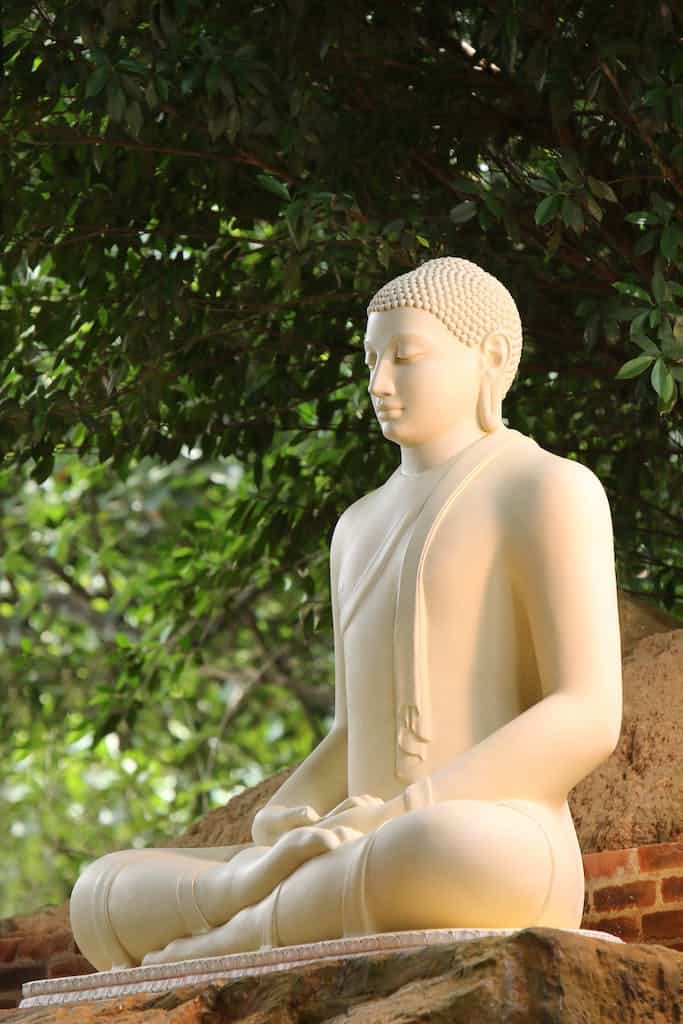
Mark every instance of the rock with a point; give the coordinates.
(638, 619)
(539, 975)
(636, 797)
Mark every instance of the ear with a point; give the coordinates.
(495, 351)
(495, 355)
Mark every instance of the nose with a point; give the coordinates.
(381, 379)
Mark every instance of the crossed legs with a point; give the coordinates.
(458, 864)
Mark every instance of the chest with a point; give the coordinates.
(466, 547)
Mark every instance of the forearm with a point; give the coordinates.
(540, 755)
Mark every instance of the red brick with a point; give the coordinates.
(14, 975)
(624, 897)
(665, 924)
(66, 965)
(672, 890)
(660, 855)
(8, 949)
(627, 928)
(608, 863)
(34, 947)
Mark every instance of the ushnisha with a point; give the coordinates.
(477, 678)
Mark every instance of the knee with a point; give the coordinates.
(89, 911)
(457, 865)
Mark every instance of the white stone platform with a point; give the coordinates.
(162, 977)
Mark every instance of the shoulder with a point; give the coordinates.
(553, 493)
(352, 517)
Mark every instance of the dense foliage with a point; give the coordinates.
(199, 198)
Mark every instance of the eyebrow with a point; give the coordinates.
(405, 335)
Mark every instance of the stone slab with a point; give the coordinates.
(163, 977)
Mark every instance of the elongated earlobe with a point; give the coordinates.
(490, 404)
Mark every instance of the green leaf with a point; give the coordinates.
(569, 165)
(541, 185)
(670, 240)
(134, 118)
(665, 386)
(602, 190)
(634, 291)
(116, 101)
(594, 209)
(658, 286)
(463, 212)
(639, 322)
(96, 82)
(661, 379)
(677, 373)
(547, 209)
(134, 67)
(663, 207)
(634, 367)
(271, 184)
(645, 243)
(642, 217)
(572, 215)
(151, 95)
(646, 344)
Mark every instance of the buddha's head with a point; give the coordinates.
(449, 336)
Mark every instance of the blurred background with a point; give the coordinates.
(198, 201)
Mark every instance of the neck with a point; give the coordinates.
(433, 453)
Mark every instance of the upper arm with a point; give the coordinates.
(563, 566)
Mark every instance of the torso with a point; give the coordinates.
(481, 672)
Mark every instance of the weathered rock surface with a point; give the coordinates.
(540, 976)
(639, 618)
(636, 797)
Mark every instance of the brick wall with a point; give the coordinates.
(37, 946)
(637, 894)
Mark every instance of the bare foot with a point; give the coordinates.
(242, 934)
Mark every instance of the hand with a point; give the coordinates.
(273, 820)
(362, 813)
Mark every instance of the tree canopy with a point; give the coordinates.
(199, 200)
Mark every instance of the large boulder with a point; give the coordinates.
(636, 797)
(538, 975)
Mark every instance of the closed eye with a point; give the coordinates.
(409, 359)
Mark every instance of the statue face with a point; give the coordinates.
(423, 382)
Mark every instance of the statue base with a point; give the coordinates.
(163, 977)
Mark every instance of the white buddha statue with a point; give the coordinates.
(478, 679)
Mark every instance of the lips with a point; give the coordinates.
(388, 412)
